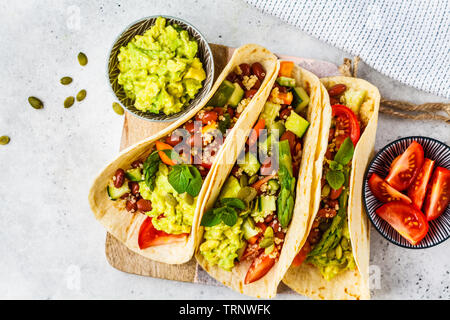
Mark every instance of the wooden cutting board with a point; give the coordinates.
(135, 130)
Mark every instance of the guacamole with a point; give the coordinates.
(222, 244)
(159, 70)
(177, 209)
(336, 260)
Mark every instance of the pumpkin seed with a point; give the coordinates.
(189, 199)
(326, 191)
(344, 243)
(247, 194)
(66, 80)
(253, 179)
(81, 95)
(171, 200)
(338, 252)
(270, 249)
(35, 102)
(69, 102)
(266, 242)
(243, 180)
(268, 233)
(4, 140)
(117, 108)
(82, 59)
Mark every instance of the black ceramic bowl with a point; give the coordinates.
(439, 230)
(139, 28)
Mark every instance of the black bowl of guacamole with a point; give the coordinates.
(160, 68)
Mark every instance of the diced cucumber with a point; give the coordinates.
(134, 174)
(267, 203)
(354, 99)
(231, 188)
(270, 112)
(296, 124)
(277, 125)
(301, 99)
(250, 165)
(115, 193)
(237, 95)
(222, 95)
(249, 228)
(273, 186)
(286, 81)
(264, 146)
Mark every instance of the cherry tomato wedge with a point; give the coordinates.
(286, 68)
(402, 174)
(334, 194)
(301, 255)
(260, 266)
(347, 121)
(149, 236)
(256, 131)
(409, 222)
(164, 157)
(438, 195)
(291, 137)
(418, 188)
(384, 192)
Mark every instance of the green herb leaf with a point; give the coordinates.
(173, 155)
(195, 184)
(150, 167)
(345, 153)
(179, 178)
(228, 216)
(233, 202)
(210, 219)
(335, 179)
(336, 166)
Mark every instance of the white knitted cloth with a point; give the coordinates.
(408, 40)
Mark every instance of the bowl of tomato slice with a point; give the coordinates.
(406, 192)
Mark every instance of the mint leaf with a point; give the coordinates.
(178, 178)
(233, 202)
(336, 166)
(210, 219)
(335, 179)
(195, 184)
(345, 153)
(228, 215)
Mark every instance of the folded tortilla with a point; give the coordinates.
(124, 225)
(351, 284)
(266, 287)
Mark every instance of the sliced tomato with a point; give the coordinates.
(149, 236)
(346, 121)
(292, 138)
(402, 174)
(334, 194)
(256, 131)
(260, 266)
(409, 222)
(418, 188)
(384, 192)
(164, 157)
(286, 68)
(438, 195)
(302, 254)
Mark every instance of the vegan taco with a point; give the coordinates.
(150, 196)
(247, 243)
(333, 255)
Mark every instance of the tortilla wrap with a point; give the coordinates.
(266, 287)
(124, 225)
(351, 284)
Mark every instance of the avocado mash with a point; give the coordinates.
(160, 70)
(222, 243)
(175, 211)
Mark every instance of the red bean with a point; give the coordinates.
(258, 71)
(245, 68)
(119, 178)
(144, 205)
